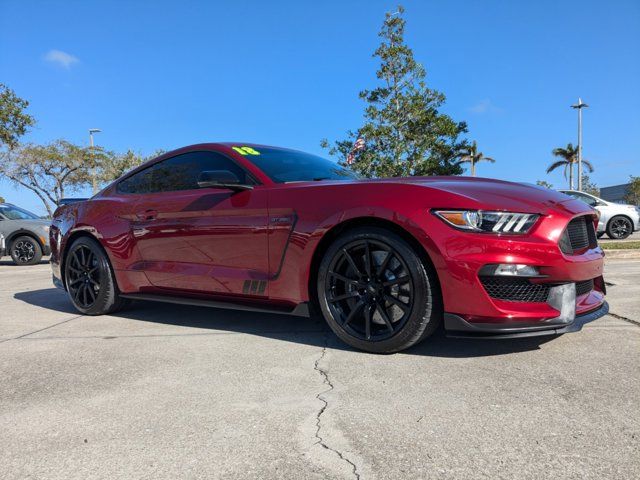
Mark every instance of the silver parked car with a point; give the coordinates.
(617, 220)
(23, 235)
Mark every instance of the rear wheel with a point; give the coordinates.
(26, 250)
(376, 293)
(89, 279)
(619, 227)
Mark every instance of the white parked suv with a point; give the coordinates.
(617, 220)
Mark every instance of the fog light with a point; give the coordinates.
(510, 270)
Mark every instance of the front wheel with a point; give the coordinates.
(89, 279)
(25, 250)
(619, 228)
(376, 293)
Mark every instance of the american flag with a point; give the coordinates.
(358, 145)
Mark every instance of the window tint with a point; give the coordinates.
(179, 173)
(14, 213)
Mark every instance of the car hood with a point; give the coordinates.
(498, 194)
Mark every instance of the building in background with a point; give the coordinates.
(615, 193)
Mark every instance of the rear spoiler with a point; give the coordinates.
(67, 201)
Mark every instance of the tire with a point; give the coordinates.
(619, 227)
(89, 279)
(394, 292)
(25, 250)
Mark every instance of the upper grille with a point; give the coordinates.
(579, 235)
(584, 287)
(515, 289)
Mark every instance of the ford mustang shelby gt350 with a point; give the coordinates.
(385, 261)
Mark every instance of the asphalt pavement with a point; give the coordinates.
(166, 391)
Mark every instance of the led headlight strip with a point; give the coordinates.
(488, 222)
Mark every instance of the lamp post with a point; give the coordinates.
(579, 106)
(94, 180)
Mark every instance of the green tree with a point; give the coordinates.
(544, 183)
(588, 186)
(473, 156)
(403, 130)
(51, 170)
(114, 166)
(1, 199)
(569, 156)
(633, 191)
(14, 122)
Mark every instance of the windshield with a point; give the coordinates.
(14, 213)
(283, 165)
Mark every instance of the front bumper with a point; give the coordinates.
(472, 308)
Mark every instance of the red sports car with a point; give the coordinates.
(385, 261)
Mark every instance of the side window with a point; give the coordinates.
(179, 173)
(586, 199)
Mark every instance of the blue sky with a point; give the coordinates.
(164, 74)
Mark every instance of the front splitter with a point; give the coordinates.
(457, 327)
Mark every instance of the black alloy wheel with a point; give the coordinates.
(89, 279)
(375, 291)
(83, 276)
(619, 228)
(25, 251)
(369, 290)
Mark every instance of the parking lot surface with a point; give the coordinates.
(169, 391)
(634, 237)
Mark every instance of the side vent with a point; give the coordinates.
(254, 287)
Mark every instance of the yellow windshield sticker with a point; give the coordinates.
(246, 151)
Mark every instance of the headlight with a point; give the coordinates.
(488, 222)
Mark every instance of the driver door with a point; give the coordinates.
(201, 240)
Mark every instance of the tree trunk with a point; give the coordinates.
(473, 168)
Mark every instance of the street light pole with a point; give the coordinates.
(94, 179)
(579, 106)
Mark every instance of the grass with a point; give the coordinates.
(620, 245)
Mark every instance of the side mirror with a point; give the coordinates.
(221, 179)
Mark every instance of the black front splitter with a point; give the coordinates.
(457, 327)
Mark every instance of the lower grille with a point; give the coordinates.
(515, 289)
(579, 234)
(523, 290)
(584, 287)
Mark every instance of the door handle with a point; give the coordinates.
(147, 215)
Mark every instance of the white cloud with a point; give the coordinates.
(484, 106)
(60, 58)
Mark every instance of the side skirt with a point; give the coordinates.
(300, 310)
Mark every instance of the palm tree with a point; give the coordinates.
(473, 156)
(569, 157)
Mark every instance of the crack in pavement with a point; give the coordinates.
(41, 329)
(325, 380)
(625, 319)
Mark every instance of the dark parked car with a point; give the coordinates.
(26, 236)
(385, 261)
